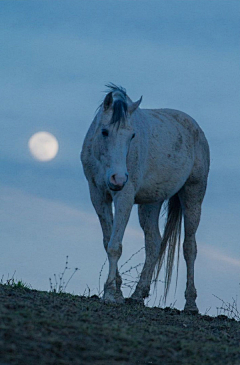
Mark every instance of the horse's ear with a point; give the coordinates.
(108, 101)
(133, 106)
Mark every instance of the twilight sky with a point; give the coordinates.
(55, 60)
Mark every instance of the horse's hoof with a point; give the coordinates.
(119, 299)
(108, 298)
(113, 299)
(191, 309)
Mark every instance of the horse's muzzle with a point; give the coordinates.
(117, 182)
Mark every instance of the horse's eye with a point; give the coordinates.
(133, 135)
(105, 132)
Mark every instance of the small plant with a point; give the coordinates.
(59, 285)
(87, 292)
(130, 277)
(128, 280)
(14, 283)
(228, 309)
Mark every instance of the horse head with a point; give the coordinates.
(114, 134)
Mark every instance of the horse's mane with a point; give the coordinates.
(114, 88)
(119, 97)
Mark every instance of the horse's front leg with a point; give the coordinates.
(123, 205)
(103, 207)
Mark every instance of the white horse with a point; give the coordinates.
(146, 156)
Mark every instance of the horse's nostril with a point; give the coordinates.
(113, 180)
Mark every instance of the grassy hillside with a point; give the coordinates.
(49, 328)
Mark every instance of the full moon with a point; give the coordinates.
(43, 146)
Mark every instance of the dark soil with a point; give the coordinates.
(48, 328)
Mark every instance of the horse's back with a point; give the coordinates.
(182, 123)
(176, 145)
(201, 146)
(172, 116)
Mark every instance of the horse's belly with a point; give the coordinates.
(161, 186)
(157, 193)
(144, 197)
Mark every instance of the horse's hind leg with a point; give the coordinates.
(148, 218)
(191, 197)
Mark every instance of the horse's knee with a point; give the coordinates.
(114, 250)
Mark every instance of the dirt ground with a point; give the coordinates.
(48, 328)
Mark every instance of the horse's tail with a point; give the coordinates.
(171, 239)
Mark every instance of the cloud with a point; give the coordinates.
(212, 253)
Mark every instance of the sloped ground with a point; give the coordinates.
(47, 328)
